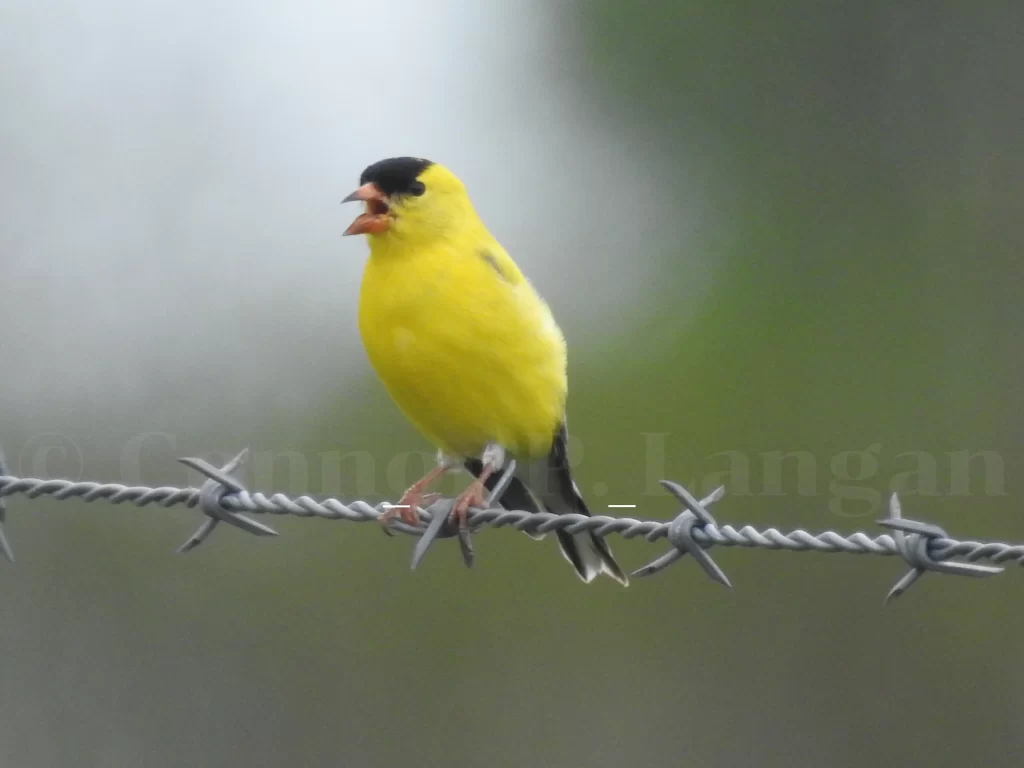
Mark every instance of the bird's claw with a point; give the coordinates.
(406, 509)
(471, 497)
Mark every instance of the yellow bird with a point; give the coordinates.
(466, 348)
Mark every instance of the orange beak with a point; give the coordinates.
(375, 220)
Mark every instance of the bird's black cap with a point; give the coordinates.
(396, 175)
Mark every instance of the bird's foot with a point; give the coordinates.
(406, 508)
(473, 496)
(415, 497)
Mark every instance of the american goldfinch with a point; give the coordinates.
(466, 348)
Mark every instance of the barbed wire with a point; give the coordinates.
(223, 499)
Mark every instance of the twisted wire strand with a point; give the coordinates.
(709, 535)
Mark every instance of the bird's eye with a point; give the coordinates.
(417, 188)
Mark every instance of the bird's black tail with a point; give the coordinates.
(589, 554)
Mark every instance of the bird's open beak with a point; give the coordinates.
(375, 220)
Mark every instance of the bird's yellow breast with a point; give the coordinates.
(464, 345)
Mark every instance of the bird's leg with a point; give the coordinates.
(493, 459)
(414, 496)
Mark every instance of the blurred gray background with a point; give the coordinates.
(793, 228)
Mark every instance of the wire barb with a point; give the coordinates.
(680, 534)
(913, 541)
(220, 484)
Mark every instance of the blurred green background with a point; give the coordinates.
(792, 227)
